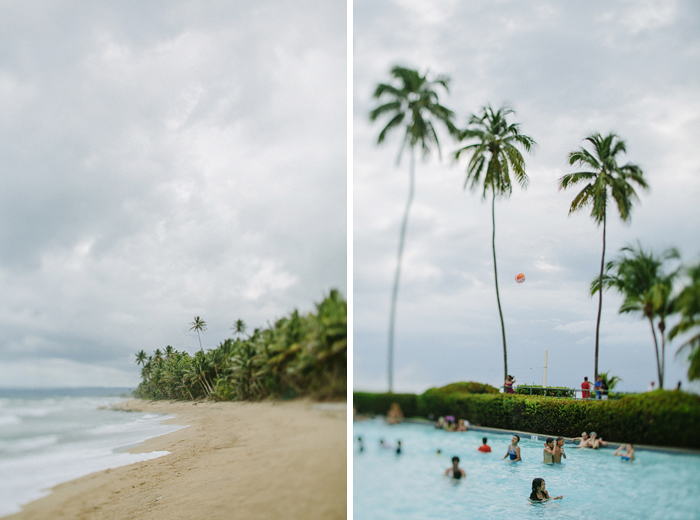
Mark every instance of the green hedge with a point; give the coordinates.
(660, 418)
(551, 391)
(380, 403)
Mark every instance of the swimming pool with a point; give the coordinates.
(595, 484)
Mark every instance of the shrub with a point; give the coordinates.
(550, 391)
(379, 404)
(660, 418)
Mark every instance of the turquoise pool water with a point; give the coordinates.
(595, 484)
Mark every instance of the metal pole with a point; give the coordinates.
(544, 379)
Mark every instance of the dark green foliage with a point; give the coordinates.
(298, 356)
(660, 418)
(550, 391)
(467, 387)
(379, 404)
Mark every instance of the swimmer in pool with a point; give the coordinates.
(584, 440)
(539, 493)
(595, 442)
(359, 442)
(558, 451)
(513, 449)
(627, 454)
(548, 451)
(455, 471)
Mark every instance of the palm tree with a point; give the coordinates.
(198, 325)
(605, 178)
(411, 99)
(495, 157)
(688, 304)
(646, 287)
(169, 352)
(239, 327)
(141, 358)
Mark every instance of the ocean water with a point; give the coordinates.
(595, 484)
(49, 437)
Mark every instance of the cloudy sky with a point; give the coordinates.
(568, 69)
(164, 160)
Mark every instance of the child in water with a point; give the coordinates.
(455, 471)
(513, 449)
(539, 493)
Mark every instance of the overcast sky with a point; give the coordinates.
(568, 69)
(163, 160)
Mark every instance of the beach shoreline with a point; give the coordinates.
(273, 459)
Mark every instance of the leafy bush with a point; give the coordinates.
(660, 418)
(550, 391)
(466, 387)
(379, 404)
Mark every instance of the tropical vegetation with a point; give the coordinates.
(299, 355)
(604, 178)
(646, 286)
(495, 158)
(411, 100)
(687, 304)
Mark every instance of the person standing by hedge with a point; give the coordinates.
(508, 384)
(598, 387)
(586, 389)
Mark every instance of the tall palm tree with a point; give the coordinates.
(199, 325)
(411, 100)
(494, 159)
(239, 327)
(141, 358)
(688, 304)
(604, 178)
(646, 287)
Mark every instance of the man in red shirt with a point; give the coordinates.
(485, 448)
(586, 389)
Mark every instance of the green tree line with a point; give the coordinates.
(300, 355)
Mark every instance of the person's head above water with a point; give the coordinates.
(549, 441)
(455, 460)
(537, 485)
(594, 434)
(516, 439)
(484, 440)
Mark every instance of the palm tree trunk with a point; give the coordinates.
(495, 274)
(656, 351)
(200, 341)
(600, 303)
(662, 327)
(397, 274)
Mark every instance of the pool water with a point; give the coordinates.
(594, 483)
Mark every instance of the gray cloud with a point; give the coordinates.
(162, 161)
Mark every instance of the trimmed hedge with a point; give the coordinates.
(660, 418)
(379, 404)
(551, 391)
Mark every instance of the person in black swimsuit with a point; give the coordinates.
(455, 471)
(539, 493)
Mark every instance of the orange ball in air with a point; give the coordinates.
(520, 278)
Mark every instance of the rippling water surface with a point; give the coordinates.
(595, 484)
(46, 440)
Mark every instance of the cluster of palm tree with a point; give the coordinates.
(648, 285)
(411, 101)
(300, 355)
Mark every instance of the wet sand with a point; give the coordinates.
(235, 460)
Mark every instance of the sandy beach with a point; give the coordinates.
(234, 460)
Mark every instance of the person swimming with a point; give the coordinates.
(455, 471)
(359, 442)
(627, 455)
(513, 449)
(548, 450)
(398, 448)
(539, 493)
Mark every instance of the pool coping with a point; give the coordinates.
(567, 440)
